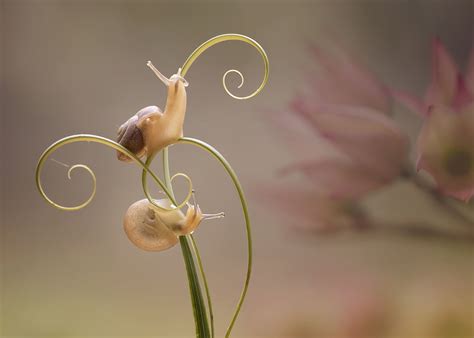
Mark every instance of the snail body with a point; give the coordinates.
(150, 129)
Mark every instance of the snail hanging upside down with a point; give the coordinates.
(150, 129)
(153, 229)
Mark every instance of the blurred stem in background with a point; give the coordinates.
(419, 229)
(440, 199)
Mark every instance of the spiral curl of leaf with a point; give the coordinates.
(231, 37)
(112, 144)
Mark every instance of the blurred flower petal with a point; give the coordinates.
(444, 76)
(411, 102)
(470, 71)
(295, 133)
(448, 87)
(370, 139)
(463, 96)
(341, 80)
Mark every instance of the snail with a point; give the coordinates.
(150, 129)
(153, 229)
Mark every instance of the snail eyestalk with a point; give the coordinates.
(163, 78)
(213, 216)
(204, 216)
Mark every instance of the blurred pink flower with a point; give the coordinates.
(445, 146)
(448, 86)
(340, 80)
(374, 149)
(345, 108)
(446, 150)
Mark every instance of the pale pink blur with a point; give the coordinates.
(445, 144)
(345, 109)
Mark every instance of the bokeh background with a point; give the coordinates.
(79, 67)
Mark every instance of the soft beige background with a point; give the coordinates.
(79, 67)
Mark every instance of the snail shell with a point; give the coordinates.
(130, 135)
(147, 229)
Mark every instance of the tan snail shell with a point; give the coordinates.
(150, 130)
(152, 229)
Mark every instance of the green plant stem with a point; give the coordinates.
(184, 69)
(238, 187)
(194, 246)
(197, 298)
(204, 279)
(199, 309)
